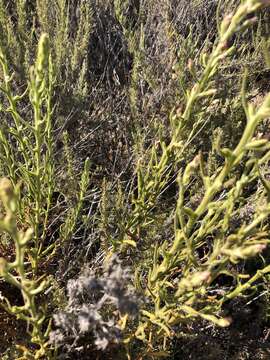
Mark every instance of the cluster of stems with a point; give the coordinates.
(17, 274)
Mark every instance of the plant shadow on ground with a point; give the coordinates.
(248, 337)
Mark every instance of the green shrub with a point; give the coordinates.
(178, 183)
(178, 274)
(28, 160)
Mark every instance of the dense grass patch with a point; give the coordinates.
(134, 156)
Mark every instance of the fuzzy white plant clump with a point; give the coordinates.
(88, 298)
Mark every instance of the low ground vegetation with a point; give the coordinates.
(134, 156)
